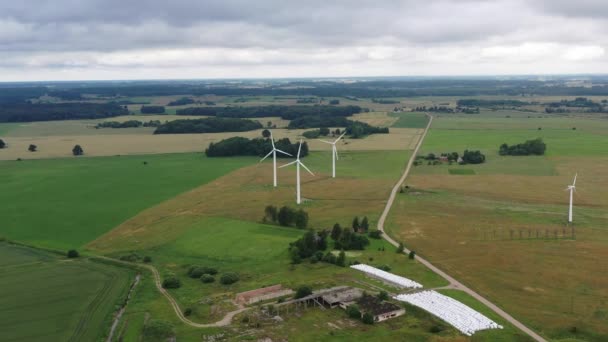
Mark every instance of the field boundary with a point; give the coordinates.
(454, 284)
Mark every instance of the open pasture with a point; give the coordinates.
(65, 203)
(47, 298)
(410, 120)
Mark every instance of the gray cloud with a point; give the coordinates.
(101, 37)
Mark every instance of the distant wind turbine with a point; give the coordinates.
(274, 159)
(298, 163)
(572, 188)
(334, 153)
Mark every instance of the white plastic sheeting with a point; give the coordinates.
(462, 317)
(393, 278)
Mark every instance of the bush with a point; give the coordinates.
(77, 150)
(436, 329)
(32, 148)
(72, 253)
(187, 312)
(229, 278)
(383, 295)
(157, 329)
(401, 248)
(206, 278)
(412, 255)
(385, 268)
(375, 234)
(172, 283)
(2, 144)
(147, 259)
(303, 291)
(198, 271)
(367, 318)
(353, 312)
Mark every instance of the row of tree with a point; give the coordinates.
(207, 125)
(529, 147)
(152, 110)
(128, 124)
(286, 216)
(27, 112)
(239, 146)
(285, 112)
(77, 150)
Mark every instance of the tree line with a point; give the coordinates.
(284, 112)
(529, 147)
(182, 102)
(286, 216)
(25, 112)
(207, 125)
(239, 146)
(128, 124)
(152, 109)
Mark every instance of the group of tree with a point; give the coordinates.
(286, 216)
(357, 129)
(207, 125)
(284, 112)
(499, 103)
(128, 124)
(311, 245)
(360, 226)
(27, 112)
(347, 239)
(579, 104)
(181, 102)
(314, 121)
(323, 131)
(2, 144)
(385, 101)
(239, 146)
(529, 147)
(152, 109)
(473, 157)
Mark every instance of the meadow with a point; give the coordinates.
(47, 298)
(65, 203)
(500, 227)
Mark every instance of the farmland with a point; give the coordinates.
(500, 226)
(47, 298)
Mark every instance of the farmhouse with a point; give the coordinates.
(381, 310)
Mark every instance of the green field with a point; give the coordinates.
(64, 203)
(359, 164)
(410, 120)
(47, 298)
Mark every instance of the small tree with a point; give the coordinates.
(355, 224)
(229, 278)
(401, 248)
(341, 261)
(172, 283)
(294, 254)
(367, 318)
(301, 218)
(207, 278)
(353, 311)
(375, 234)
(303, 291)
(266, 133)
(336, 231)
(286, 216)
(2, 144)
(412, 255)
(271, 213)
(77, 150)
(365, 224)
(383, 295)
(147, 259)
(72, 253)
(32, 148)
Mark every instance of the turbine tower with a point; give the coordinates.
(298, 163)
(572, 188)
(334, 153)
(274, 159)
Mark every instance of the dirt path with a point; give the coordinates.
(453, 283)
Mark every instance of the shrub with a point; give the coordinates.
(32, 148)
(412, 255)
(158, 329)
(206, 278)
(147, 259)
(383, 295)
(187, 312)
(77, 150)
(375, 234)
(198, 271)
(400, 248)
(172, 283)
(367, 318)
(385, 268)
(72, 253)
(303, 291)
(229, 278)
(436, 329)
(353, 312)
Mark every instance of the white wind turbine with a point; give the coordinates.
(334, 153)
(572, 188)
(298, 163)
(274, 159)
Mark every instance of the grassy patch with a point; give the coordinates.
(67, 202)
(45, 298)
(461, 171)
(410, 120)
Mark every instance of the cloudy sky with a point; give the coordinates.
(157, 39)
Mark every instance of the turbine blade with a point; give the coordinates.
(573, 183)
(276, 149)
(304, 166)
(293, 162)
(340, 137)
(336, 152)
(325, 141)
(272, 140)
(268, 155)
(299, 148)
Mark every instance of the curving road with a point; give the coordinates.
(455, 284)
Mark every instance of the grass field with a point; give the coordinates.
(64, 203)
(410, 120)
(47, 298)
(502, 229)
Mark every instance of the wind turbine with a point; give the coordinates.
(572, 188)
(298, 163)
(334, 153)
(274, 159)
